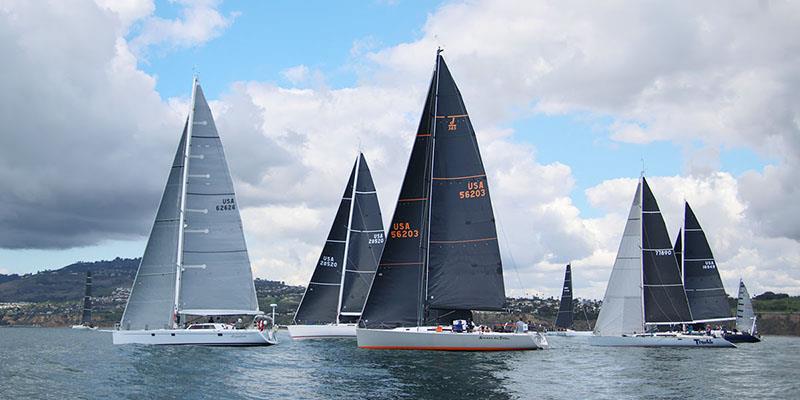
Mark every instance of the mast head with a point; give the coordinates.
(439, 50)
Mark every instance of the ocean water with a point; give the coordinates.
(69, 364)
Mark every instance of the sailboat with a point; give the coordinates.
(702, 283)
(746, 329)
(645, 289)
(195, 266)
(441, 259)
(565, 317)
(86, 313)
(335, 296)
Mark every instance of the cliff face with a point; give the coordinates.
(778, 323)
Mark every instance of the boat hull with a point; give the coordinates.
(569, 333)
(331, 331)
(211, 337)
(741, 338)
(659, 341)
(84, 327)
(429, 339)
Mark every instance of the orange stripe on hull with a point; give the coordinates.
(445, 348)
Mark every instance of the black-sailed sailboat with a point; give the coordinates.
(701, 279)
(746, 328)
(441, 260)
(565, 319)
(645, 289)
(86, 312)
(335, 296)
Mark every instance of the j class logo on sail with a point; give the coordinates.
(663, 252)
(328, 261)
(403, 230)
(474, 190)
(377, 238)
(709, 264)
(228, 204)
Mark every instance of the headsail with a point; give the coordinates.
(678, 248)
(745, 316)
(622, 312)
(664, 297)
(86, 316)
(441, 255)
(152, 299)
(565, 313)
(704, 289)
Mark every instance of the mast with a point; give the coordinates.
(430, 189)
(641, 246)
(347, 238)
(182, 209)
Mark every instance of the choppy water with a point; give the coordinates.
(63, 363)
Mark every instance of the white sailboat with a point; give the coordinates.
(86, 313)
(195, 266)
(566, 316)
(645, 289)
(441, 259)
(336, 293)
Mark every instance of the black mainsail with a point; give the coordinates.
(701, 280)
(441, 257)
(86, 316)
(347, 264)
(565, 316)
(664, 297)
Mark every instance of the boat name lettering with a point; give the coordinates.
(703, 341)
(328, 261)
(377, 238)
(665, 252)
(402, 230)
(474, 190)
(493, 338)
(228, 204)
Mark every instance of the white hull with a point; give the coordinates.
(569, 333)
(331, 331)
(424, 338)
(204, 337)
(84, 327)
(678, 340)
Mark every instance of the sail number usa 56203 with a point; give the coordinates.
(403, 230)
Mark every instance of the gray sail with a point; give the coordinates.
(152, 300)
(86, 315)
(565, 317)
(622, 311)
(704, 289)
(216, 277)
(364, 247)
(745, 316)
(678, 248)
(318, 305)
(664, 296)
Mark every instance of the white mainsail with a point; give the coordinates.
(206, 259)
(622, 310)
(745, 316)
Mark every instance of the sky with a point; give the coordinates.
(570, 102)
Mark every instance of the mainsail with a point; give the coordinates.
(565, 316)
(86, 316)
(745, 317)
(354, 245)
(441, 257)
(704, 289)
(196, 247)
(645, 287)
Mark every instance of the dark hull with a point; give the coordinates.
(741, 338)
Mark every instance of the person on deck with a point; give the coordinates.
(520, 326)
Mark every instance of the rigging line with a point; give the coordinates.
(511, 255)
